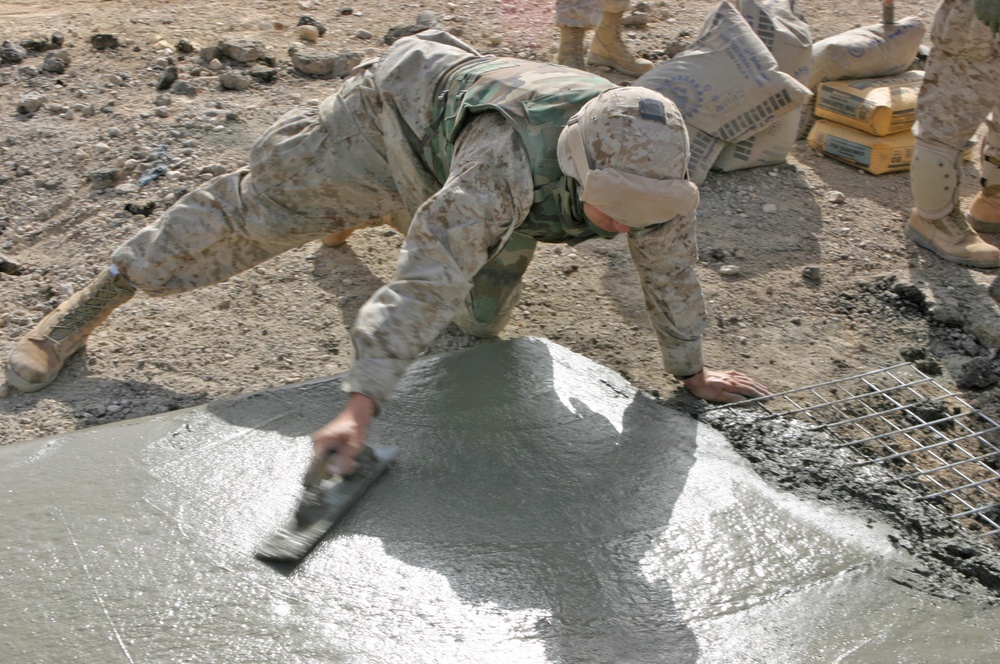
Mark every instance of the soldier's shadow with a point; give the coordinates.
(516, 489)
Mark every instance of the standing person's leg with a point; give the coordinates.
(311, 174)
(957, 93)
(984, 212)
(496, 289)
(607, 47)
(574, 18)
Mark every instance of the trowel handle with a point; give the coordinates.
(887, 14)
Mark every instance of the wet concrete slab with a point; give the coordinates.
(541, 510)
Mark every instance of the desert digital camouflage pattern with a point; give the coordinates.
(358, 157)
(960, 87)
(586, 13)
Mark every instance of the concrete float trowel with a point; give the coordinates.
(325, 500)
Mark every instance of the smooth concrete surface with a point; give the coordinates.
(541, 510)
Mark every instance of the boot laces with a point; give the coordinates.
(84, 312)
(955, 224)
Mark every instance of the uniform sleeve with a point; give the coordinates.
(487, 194)
(665, 256)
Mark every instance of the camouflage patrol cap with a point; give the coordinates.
(629, 149)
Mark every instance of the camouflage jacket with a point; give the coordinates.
(487, 192)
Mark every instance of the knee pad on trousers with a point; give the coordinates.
(935, 174)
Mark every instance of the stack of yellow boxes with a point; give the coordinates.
(866, 122)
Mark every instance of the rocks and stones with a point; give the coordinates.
(168, 79)
(56, 61)
(318, 63)
(144, 208)
(30, 103)
(363, 34)
(233, 81)
(309, 20)
(307, 33)
(836, 197)
(105, 179)
(729, 270)
(104, 41)
(37, 44)
(265, 76)
(11, 52)
(811, 274)
(976, 374)
(243, 50)
(398, 32)
(184, 46)
(184, 88)
(10, 266)
(636, 19)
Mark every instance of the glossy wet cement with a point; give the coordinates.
(541, 510)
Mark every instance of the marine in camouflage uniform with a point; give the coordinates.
(576, 17)
(466, 168)
(959, 91)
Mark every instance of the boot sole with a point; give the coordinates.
(598, 61)
(23, 385)
(929, 246)
(982, 225)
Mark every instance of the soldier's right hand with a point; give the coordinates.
(339, 441)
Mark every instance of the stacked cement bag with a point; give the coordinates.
(866, 122)
(786, 35)
(727, 86)
(867, 52)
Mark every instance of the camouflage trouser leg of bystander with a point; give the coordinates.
(496, 289)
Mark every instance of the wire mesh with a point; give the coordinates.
(926, 437)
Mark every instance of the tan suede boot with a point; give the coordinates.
(984, 213)
(338, 238)
(953, 239)
(608, 49)
(571, 47)
(39, 355)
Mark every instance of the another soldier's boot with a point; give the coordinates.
(608, 49)
(571, 47)
(984, 213)
(38, 356)
(338, 238)
(953, 239)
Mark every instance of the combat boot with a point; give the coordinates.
(953, 239)
(984, 213)
(608, 49)
(38, 356)
(571, 47)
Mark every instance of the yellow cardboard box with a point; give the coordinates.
(878, 106)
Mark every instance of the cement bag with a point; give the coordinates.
(786, 34)
(867, 52)
(875, 154)
(879, 106)
(726, 83)
(705, 149)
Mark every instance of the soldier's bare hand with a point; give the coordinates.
(339, 441)
(724, 386)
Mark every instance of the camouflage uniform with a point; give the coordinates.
(960, 88)
(586, 13)
(363, 154)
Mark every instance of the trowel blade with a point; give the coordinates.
(322, 505)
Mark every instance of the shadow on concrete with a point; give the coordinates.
(534, 484)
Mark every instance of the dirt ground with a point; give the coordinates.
(877, 300)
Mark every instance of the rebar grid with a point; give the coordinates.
(926, 437)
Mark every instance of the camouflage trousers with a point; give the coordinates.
(960, 88)
(586, 13)
(314, 172)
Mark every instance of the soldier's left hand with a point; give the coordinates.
(724, 386)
